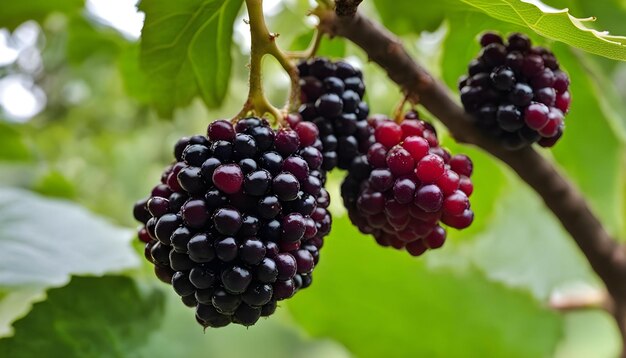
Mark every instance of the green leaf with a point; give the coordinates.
(405, 16)
(275, 337)
(53, 183)
(609, 13)
(44, 241)
(555, 24)
(16, 303)
(136, 82)
(90, 317)
(86, 39)
(185, 50)
(13, 147)
(591, 333)
(381, 302)
(13, 13)
(521, 255)
(605, 92)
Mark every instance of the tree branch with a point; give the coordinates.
(605, 255)
(346, 7)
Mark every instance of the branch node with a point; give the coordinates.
(346, 8)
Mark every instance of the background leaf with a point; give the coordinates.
(13, 13)
(589, 120)
(405, 16)
(16, 303)
(65, 240)
(53, 183)
(589, 334)
(44, 241)
(275, 337)
(13, 147)
(185, 50)
(429, 309)
(90, 317)
(503, 254)
(86, 38)
(554, 24)
(609, 14)
(136, 82)
(333, 48)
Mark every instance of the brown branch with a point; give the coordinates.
(605, 255)
(346, 7)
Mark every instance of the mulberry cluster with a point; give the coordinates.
(406, 184)
(516, 92)
(238, 220)
(332, 98)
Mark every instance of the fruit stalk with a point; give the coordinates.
(311, 50)
(605, 255)
(264, 43)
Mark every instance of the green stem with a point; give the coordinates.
(311, 50)
(264, 43)
(294, 77)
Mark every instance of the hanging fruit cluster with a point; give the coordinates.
(238, 220)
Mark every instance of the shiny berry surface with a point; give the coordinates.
(403, 189)
(229, 224)
(332, 99)
(511, 90)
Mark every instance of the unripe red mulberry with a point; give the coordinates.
(406, 185)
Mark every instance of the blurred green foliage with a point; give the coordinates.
(114, 109)
(555, 24)
(119, 317)
(13, 13)
(14, 147)
(377, 302)
(185, 50)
